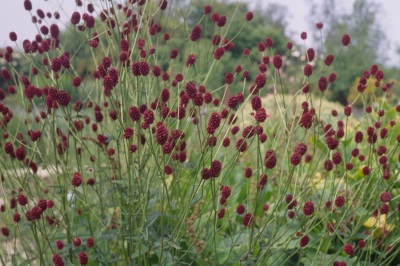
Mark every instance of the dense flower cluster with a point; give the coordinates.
(157, 129)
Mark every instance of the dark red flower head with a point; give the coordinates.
(322, 83)
(76, 179)
(347, 110)
(196, 33)
(207, 9)
(339, 201)
(348, 249)
(295, 159)
(83, 258)
(346, 39)
(163, 4)
(269, 42)
(13, 36)
(248, 219)
(310, 54)
(308, 69)
(75, 18)
(385, 197)
(277, 61)
(221, 21)
(57, 260)
(308, 208)
(329, 59)
(249, 16)
(270, 159)
(306, 120)
(27, 5)
(304, 241)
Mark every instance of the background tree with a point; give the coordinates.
(368, 41)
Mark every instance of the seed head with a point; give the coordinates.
(28, 5)
(322, 83)
(291, 214)
(219, 52)
(20, 153)
(304, 241)
(207, 9)
(76, 179)
(332, 143)
(63, 98)
(269, 42)
(307, 70)
(214, 17)
(190, 60)
(240, 209)
(76, 82)
(59, 244)
(328, 165)
(221, 213)
(310, 54)
(248, 219)
(226, 142)
(339, 201)
(337, 158)
(308, 208)
(225, 192)
(306, 120)
(270, 159)
(248, 172)
(57, 260)
(8, 148)
(5, 231)
(384, 209)
(256, 103)
(56, 64)
(301, 148)
(196, 33)
(221, 21)
(277, 61)
(385, 197)
(75, 18)
(329, 59)
(260, 80)
(366, 171)
(13, 36)
(90, 242)
(16, 217)
(241, 145)
(83, 258)
(295, 159)
(347, 110)
(346, 39)
(134, 113)
(348, 249)
(260, 115)
(249, 16)
(215, 168)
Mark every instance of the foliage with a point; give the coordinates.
(367, 37)
(163, 159)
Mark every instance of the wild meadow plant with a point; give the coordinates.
(136, 159)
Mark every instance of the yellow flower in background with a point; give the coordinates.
(380, 225)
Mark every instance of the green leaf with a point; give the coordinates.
(316, 142)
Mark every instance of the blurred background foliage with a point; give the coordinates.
(368, 44)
